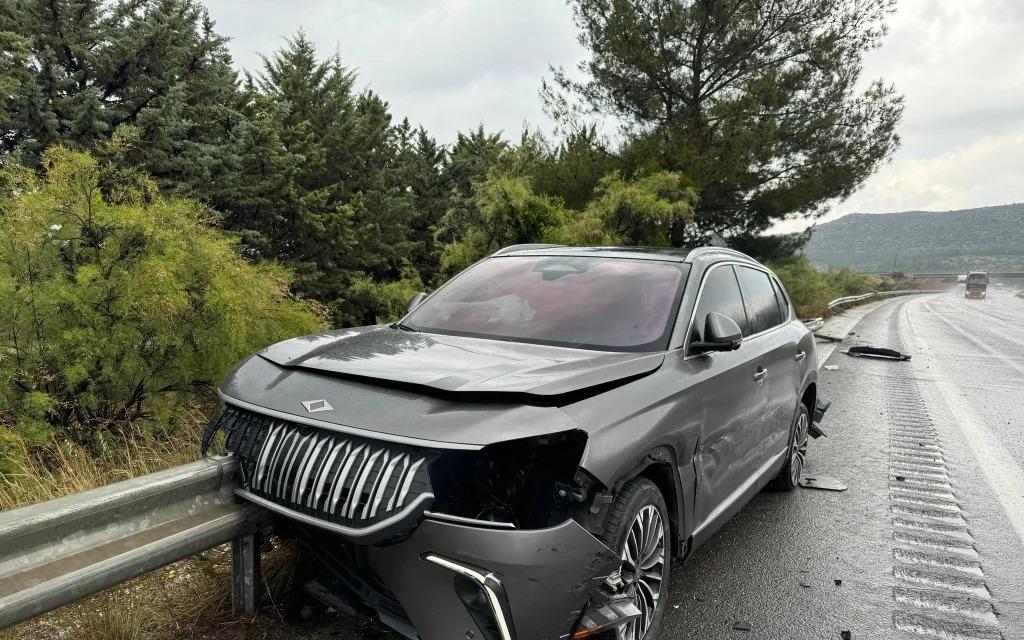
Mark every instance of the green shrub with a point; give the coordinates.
(118, 305)
(808, 287)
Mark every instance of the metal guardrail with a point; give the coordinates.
(55, 552)
(817, 323)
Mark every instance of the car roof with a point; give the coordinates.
(664, 254)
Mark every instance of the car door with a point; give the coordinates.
(783, 358)
(727, 389)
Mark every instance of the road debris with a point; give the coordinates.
(828, 338)
(828, 484)
(838, 582)
(831, 367)
(742, 625)
(876, 352)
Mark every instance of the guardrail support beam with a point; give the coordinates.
(245, 573)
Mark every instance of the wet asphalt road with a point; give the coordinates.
(928, 539)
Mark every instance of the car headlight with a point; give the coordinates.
(530, 482)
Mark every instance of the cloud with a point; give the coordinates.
(447, 64)
(453, 64)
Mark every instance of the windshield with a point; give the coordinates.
(977, 278)
(588, 302)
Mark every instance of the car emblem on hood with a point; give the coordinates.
(313, 406)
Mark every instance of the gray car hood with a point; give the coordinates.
(460, 365)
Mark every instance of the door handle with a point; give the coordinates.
(800, 355)
(760, 374)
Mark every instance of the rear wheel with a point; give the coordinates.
(638, 529)
(789, 478)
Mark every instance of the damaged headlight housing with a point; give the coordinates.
(530, 482)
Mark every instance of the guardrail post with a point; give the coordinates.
(245, 573)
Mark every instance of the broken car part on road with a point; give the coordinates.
(522, 455)
(876, 352)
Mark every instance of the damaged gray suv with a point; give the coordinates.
(525, 452)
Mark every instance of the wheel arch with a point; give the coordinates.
(659, 465)
(809, 397)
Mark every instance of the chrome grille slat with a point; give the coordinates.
(261, 464)
(408, 483)
(339, 484)
(324, 474)
(382, 485)
(398, 485)
(357, 488)
(319, 441)
(282, 451)
(375, 485)
(344, 479)
(288, 468)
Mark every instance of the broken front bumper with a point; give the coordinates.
(453, 579)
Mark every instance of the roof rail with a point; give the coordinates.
(696, 251)
(524, 247)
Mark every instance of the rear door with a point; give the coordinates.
(731, 400)
(780, 342)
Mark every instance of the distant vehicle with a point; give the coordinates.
(977, 283)
(961, 285)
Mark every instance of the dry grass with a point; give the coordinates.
(190, 599)
(69, 468)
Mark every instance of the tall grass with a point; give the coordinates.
(189, 599)
(66, 467)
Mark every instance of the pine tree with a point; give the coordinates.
(759, 101)
(97, 65)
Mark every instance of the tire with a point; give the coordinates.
(789, 478)
(640, 507)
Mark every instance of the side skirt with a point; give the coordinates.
(736, 500)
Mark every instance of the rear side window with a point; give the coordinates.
(721, 294)
(759, 296)
(780, 293)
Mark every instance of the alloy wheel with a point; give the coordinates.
(643, 569)
(799, 452)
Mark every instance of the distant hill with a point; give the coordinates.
(991, 238)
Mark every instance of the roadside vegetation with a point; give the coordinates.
(812, 289)
(162, 215)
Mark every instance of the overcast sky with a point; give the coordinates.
(453, 64)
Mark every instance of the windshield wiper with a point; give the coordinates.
(404, 327)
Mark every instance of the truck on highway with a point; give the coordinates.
(977, 283)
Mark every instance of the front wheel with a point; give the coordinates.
(638, 529)
(789, 478)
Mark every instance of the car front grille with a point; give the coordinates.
(334, 477)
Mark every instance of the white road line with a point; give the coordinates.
(1000, 469)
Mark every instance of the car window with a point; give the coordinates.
(759, 296)
(613, 304)
(720, 294)
(780, 294)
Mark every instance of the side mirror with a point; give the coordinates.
(415, 301)
(721, 333)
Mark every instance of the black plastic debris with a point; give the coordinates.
(828, 484)
(900, 479)
(838, 582)
(828, 337)
(742, 625)
(876, 352)
(846, 635)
